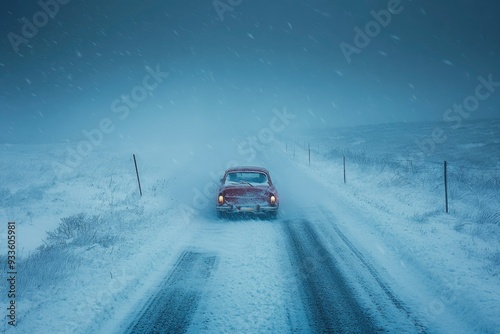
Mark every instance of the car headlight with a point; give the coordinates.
(272, 200)
(220, 200)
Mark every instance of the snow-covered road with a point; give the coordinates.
(270, 276)
(329, 263)
(238, 279)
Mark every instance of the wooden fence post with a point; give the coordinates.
(344, 169)
(137, 173)
(445, 186)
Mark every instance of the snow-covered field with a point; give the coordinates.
(91, 251)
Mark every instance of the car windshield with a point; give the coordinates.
(252, 178)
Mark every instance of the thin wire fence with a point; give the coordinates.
(447, 177)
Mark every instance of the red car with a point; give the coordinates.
(247, 190)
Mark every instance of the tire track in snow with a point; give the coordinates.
(330, 302)
(172, 308)
(399, 304)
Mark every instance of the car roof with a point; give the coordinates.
(247, 169)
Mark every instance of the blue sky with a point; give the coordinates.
(232, 73)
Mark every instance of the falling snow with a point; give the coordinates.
(308, 90)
